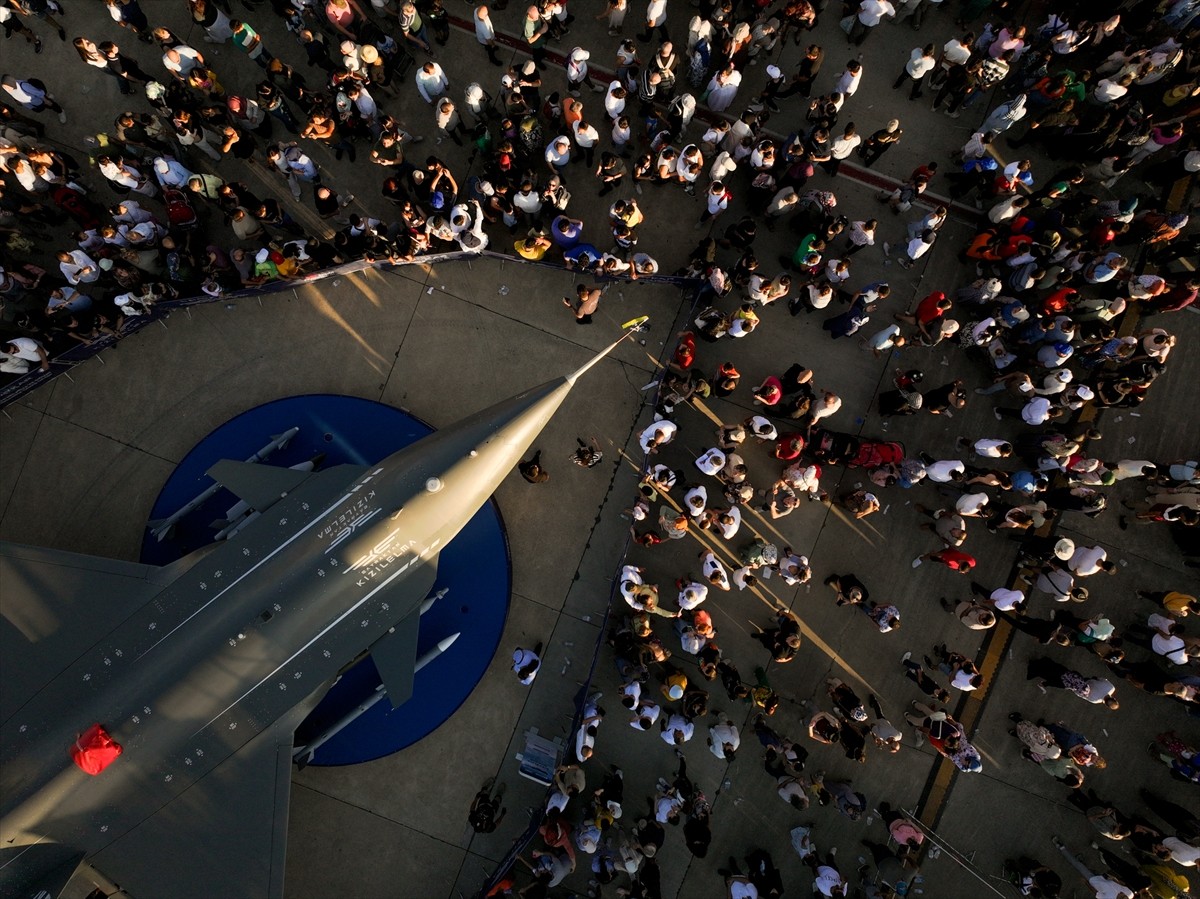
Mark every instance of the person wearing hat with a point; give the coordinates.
(171, 173)
(526, 663)
(577, 72)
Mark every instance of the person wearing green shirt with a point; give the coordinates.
(250, 43)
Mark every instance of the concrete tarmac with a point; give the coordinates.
(84, 458)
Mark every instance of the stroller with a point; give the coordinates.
(180, 212)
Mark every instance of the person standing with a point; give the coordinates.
(586, 304)
(880, 142)
(716, 201)
(656, 20)
(485, 33)
(868, 16)
(526, 663)
(250, 42)
(842, 148)
(920, 63)
(532, 470)
(535, 31)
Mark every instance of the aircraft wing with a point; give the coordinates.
(225, 835)
(54, 606)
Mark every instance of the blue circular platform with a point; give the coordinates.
(475, 568)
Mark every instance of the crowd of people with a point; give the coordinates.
(1062, 258)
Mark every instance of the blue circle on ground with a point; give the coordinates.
(475, 569)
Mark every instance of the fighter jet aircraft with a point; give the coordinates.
(201, 670)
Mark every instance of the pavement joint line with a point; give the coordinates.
(343, 801)
(41, 418)
(117, 440)
(932, 802)
(425, 285)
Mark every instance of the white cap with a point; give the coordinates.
(263, 255)
(773, 72)
(1064, 548)
(579, 54)
(1064, 375)
(1084, 392)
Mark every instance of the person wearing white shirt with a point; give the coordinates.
(695, 501)
(716, 201)
(1005, 600)
(630, 693)
(677, 730)
(656, 19)
(815, 296)
(614, 100)
(971, 505)
(1166, 641)
(945, 471)
(558, 154)
(1183, 854)
(842, 148)
(1089, 560)
(793, 569)
(1037, 411)
(526, 664)
(917, 247)
(870, 14)
(828, 881)
(431, 82)
(621, 133)
(724, 740)
(1134, 468)
(849, 80)
(586, 137)
(761, 428)
(78, 267)
(631, 576)
(920, 62)
(1108, 90)
(744, 577)
(711, 462)
(714, 572)
(485, 33)
(728, 522)
(887, 339)
(954, 53)
(585, 737)
(991, 448)
(645, 716)
(691, 595)
(657, 435)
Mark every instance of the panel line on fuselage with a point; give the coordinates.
(326, 630)
(316, 519)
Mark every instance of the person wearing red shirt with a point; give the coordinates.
(954, 559)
